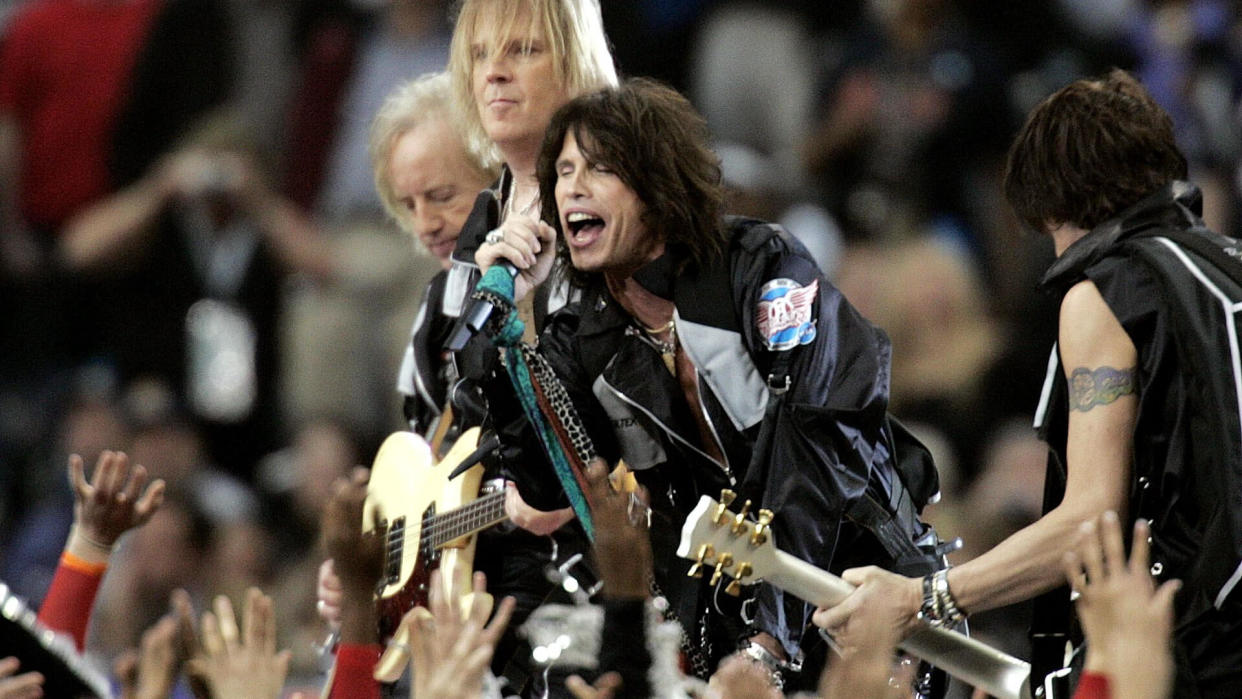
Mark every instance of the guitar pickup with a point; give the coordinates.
(394, 549)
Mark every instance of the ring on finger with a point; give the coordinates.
(494, 236)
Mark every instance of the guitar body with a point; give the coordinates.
(408, 488)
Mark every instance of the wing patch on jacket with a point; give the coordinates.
(784, 314)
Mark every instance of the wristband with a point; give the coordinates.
(775, 666)
(939, 608)
(73, 562)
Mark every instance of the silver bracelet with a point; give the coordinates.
(939, 608)
(774, 665)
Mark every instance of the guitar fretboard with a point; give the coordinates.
(465, 520)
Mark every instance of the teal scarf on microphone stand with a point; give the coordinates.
(542, 397)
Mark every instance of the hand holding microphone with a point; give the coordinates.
(525, 246)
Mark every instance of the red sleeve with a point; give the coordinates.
(1093, 685)
(353, 678)
(67, 607)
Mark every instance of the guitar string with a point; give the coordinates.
(461, 520)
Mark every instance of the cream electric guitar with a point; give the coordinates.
(427, 521)
(715, 537)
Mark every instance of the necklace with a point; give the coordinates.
(668, 348)
(662, 329)
(525, 210)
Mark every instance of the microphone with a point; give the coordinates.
(484, 218)
(476, 315)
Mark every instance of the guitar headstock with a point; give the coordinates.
(730, 543)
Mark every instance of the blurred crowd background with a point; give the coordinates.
(196, 268)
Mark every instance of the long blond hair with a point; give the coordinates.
(423, 100)
(575, 34)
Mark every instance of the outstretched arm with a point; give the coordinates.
(115, 500)
(357, 560)
(1100, 364)
(1127, 621)
(105, 231)
(622, 551)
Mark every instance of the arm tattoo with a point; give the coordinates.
(1099, 386)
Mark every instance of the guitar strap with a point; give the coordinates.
(543, 398)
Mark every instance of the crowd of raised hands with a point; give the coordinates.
(219, 655)
(448, 645)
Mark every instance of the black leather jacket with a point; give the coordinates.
(830, 441)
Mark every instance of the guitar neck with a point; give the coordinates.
(995, 672)
(472, 517)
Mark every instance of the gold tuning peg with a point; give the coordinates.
(735, 586)
(760, 534)
(739, 522)
(726, 498)
(726, 560)
(701, 558)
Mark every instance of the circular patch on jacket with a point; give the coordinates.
(784, 313)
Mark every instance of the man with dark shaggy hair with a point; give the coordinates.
(710, 352)
(1141, 405)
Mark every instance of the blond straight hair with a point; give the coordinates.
(575, 34)
(420, 101)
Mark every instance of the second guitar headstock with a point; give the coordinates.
(730, 543)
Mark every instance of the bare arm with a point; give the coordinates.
(1099, 361)
(296, 241)
(105, 231)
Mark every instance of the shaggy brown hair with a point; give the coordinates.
(1090, 151)
(651, 137)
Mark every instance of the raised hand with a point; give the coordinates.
(151, 672)
(245, 664)
(528, 244)
(622, 545)
(357, 559)
(115, 500)
(450, 652)
(28, 685)
(328, 594)
(1127, 621)
(739, 677)
(867, 668)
